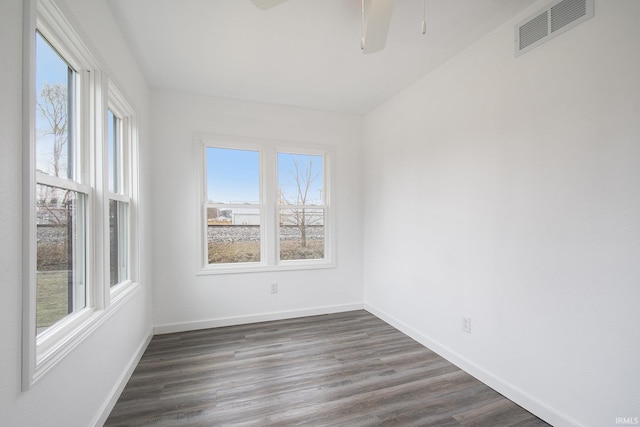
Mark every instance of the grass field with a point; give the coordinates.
(51, 282)
(232, 252)
(220, 253)
(291, 250)
(51, 297)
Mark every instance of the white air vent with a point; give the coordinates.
(558, 17)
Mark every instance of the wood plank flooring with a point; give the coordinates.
(345, 369)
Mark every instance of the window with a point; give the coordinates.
(62, 193)
(264, 206)
(120, 132)
(117, 207)
(234, 212)
(80, 192)
(301, 207)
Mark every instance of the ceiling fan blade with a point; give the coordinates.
(267, 4)
(378, 25)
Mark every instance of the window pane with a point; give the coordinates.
(60, 278)
(301, 234)
(233, 176)
(300, 180)
(54, 112)
(233, 235)
(114, 148)
(118, 242)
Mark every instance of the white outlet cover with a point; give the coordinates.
(466, 324)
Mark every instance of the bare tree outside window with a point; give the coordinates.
(303, 179)
(52, 106)
(53, 139)
(301, 200)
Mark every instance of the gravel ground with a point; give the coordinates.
(51, 235)
(251, 233)
(215, 233)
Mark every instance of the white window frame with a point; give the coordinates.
(327, 220)
(127, 191)
(260, 206)
(41, 352)
(270, 240)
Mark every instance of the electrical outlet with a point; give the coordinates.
(466, 324)
(274, 288)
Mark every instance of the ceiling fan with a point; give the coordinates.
(377, 26)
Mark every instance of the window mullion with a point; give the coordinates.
(94, 156)
(269, 190)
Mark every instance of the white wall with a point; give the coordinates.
(183, 300)
(518, 180)
(78, 389)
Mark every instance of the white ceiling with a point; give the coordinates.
(304, 52)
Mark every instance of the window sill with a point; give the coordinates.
(261, 268)
(55, 345)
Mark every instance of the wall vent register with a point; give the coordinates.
(558, 17)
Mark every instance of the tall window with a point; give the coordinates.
(79, 192)
(118, 195)
(264, 206)
(61, 190)
(233, 209)
(301, 206)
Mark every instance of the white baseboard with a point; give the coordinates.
(115, 393)
(530, 403)
(264, 317)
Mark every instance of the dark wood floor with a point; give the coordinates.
(346, 369)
